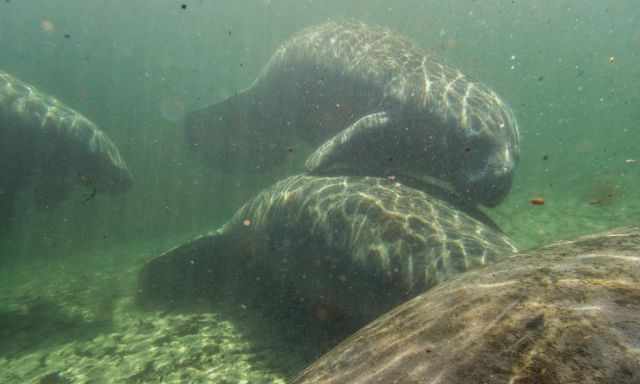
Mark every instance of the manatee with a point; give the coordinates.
(374, 104)
(46, 144)
(359, 245)
(563, 313)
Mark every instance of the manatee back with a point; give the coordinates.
(563, 313)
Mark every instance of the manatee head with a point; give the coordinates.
(118, 180)
(484, 148)
(100, 166)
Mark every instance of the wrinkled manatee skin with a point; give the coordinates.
(565, 313)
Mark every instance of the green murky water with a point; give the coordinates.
(569, 69)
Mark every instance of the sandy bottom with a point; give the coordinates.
(78, 326)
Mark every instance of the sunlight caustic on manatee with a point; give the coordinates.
(344, 86)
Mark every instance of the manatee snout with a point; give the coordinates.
(105, 175)
(486, 149)
(490, 190)
(487, 179)
(119, 183)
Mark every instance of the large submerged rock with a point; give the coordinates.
(565, 313)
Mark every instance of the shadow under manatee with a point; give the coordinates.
(283, 340)
(287, 332)
(37, 323)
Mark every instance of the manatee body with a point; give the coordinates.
(359, 245)
(46, 143)
(565, 313)
(375, 104)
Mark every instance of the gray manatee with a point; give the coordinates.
(46, 143)
(358, 245)
(564, 313)
(375, 104)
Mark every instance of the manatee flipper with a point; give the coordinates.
(374, 146)
(348, 145)
(231, 134)
(383, 144)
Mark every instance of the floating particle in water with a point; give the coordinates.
(545, 157)
(540, 78)
(67, 36)
(47, 26)
(451, 43)
(183, 6)
(246, 222)
(612, 60)
(537, 201)
(631, 161)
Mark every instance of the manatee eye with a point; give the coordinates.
(477, 148)
(475, 157)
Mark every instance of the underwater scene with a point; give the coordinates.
(304, 191)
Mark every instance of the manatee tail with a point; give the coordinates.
(182, 274)
(234, 135)
(209, 267)
(205, 128)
